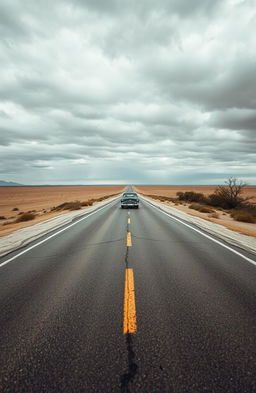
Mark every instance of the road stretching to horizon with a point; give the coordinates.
(127, 301)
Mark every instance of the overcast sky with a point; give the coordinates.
(142, 92)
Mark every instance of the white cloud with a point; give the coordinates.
(96, 91)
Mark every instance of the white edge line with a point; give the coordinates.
(53, 235)
(204, 234)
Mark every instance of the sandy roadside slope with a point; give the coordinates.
(41, 199)
(25, 235)
(224, 218)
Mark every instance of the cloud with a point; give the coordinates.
(96, 91)
(235, 119)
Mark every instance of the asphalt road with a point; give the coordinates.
(128, 301)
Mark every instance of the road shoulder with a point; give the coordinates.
(245, 242)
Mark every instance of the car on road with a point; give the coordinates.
(130, 200)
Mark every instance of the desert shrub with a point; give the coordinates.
(229, 196)
(15, 209)
(163, 199)
(216, 200)
(76, 205)
(251, 209)
(214, 215)
(86, 203)
(200, 208)
(191, 196)
(180, 195)
(25, 217)
(5, 223)
(243, 216)
(2, 218)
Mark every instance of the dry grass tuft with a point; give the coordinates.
(243, 216)
(200, 208)
(214, 215)
(76, 205)
(87, 203)
(25, 217)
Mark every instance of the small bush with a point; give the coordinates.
(214, 215)
(243, 216)
(230, 195)
(15, 209)
(200, 208)
(218, 200)
(25, 217)
(177, 202)
(191, 196)
(86, 203)
(76, 205)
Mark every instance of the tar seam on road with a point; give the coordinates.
(53, 235)
(203, 234)
(129, 376)
(129, 239)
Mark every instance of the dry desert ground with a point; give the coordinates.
(224, 218)
(41, 199)
(171, 191)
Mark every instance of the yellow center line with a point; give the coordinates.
(129, 220)
(129, 239)
(130, 322)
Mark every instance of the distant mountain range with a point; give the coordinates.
(9, 183)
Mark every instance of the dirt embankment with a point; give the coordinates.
(224, 218)
(41, 199)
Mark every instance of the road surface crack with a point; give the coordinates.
(127, 378)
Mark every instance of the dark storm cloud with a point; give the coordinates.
(236, 120)
(110, 91)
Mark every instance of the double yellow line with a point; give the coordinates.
(130, 320)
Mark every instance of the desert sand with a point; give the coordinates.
(224, 218)
(170, 191)
(42, 199)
